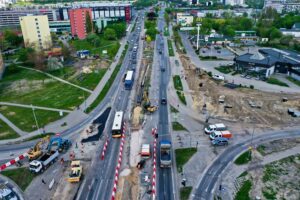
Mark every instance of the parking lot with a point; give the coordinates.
(216, 51)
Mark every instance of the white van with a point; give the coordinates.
(215, 127)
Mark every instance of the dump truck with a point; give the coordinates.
(38, 166)
(165, 154)
(76, 172)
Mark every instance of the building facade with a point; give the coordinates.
(268, 61)
(60, 12)
(283, 5)
(78, 19)
(233, 2)
(36, 32)
(184, 19)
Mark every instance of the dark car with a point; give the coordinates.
(163, 101)
(220, 141)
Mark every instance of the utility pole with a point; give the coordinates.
(198, 32)
(35, 119)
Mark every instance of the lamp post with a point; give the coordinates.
(198, 32)
(35, 119)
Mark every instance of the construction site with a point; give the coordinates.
(235, 103)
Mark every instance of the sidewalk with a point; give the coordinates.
(76, 116)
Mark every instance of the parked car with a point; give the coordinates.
(243, 75)
(218, 77)
(219, 141)
(248, 77)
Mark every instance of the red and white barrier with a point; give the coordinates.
(113, 195)
(104, 149)
(154, 131)
(12, 162)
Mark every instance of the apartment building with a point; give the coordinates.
(78, 19)
(36, 32)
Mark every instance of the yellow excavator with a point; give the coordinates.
(37, 150)
(147, 105)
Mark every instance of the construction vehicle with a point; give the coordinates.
(41, 164)
(76, 172)
(62, 144)
(147, 105)
(38, 149)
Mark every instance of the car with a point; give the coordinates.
(243, 75)
(163, 101)
(219, 141)
(218, 77)
(248, 77)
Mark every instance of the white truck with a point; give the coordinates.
(37, 166)
(215, 127)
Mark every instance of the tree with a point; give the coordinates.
(275, 33)
(88, 22)
(66, 53)
(23, 54)
(38, 60)
(12, 38)
(110, 34)
(119, 28)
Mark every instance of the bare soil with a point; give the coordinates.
(273, 112)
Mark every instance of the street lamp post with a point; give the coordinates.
(198, 32)
(35, 119)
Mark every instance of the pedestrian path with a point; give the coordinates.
(34, 107)
(12, 126)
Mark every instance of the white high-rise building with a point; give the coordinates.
(233, 2)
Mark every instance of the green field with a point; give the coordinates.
(21, 176)
(6, 132)
(181, 97)
(23, 117)
(183, 156)
(112, 47)
(243, 193)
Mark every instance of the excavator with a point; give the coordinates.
(147, 105)
(62, 144)
(37, 150)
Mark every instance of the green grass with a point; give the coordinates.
(275, 81)
(293, 80)
(21, 176)
(173, 110)
(112, 47)
(270, 173)
(177, 82)
(181, 97)
(39, 136)
(166, 32)
(245, 173)
(183, 156)
(243, 193)
(170, 47)
(261, 149)
(269, 193)
(6, 132)
(185, 192)
(244, 158)
(23, 117)
(178, 127)
(224, 69)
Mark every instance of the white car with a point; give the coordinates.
(218, 77)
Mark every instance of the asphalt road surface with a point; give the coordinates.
(100, 178)
(205, 189)
(165, 180)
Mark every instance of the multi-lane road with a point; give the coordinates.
(165, 179)
(210, 178)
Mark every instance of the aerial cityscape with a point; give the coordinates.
(150, 100)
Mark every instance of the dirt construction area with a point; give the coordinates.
(243, 105)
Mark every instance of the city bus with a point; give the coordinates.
(117, 125)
